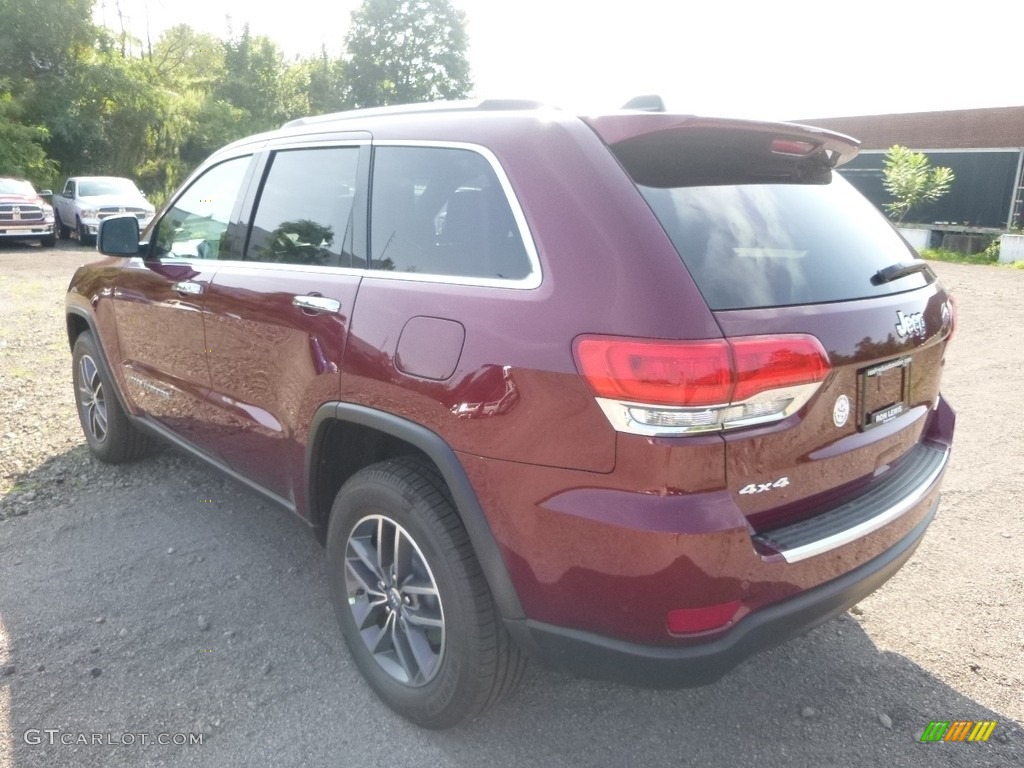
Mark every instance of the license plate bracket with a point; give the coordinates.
(883, 392)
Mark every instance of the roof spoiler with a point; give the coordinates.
(681, 150)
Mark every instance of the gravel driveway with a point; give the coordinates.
(159, 602)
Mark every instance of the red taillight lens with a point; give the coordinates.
(661, 373)
(772, 362)
(952, 317)
(698, 373)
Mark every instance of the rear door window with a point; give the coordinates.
(443, 211)
(769, 245)
(305, 212)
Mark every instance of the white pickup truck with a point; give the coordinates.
(88, 199)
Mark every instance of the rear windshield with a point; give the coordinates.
(770, 245)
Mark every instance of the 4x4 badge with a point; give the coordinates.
(910, 325)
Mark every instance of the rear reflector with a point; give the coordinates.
(674, 387)
(687, 621)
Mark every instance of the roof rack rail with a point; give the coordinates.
(483, 105)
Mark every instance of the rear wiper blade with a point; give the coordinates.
(898, 270)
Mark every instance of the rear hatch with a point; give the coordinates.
(781, 247)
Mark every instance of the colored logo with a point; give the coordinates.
(958, 730)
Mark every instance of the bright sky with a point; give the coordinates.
(740, 58)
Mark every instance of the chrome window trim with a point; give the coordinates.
(313, 269)
(531, 281)
(312, 143)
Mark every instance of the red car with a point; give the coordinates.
(24, 214)
(635, 395)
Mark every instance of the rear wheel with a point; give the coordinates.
(111, 436)
(413, 604)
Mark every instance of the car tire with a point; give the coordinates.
(48, 242)
(62, 232)
(422, 626)
(111, 436)
(84, 238)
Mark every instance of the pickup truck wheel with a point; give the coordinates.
(84, 238)
(110, 434)
(48, 242)
(412, 601)
(62, 232)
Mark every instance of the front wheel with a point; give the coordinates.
(62, 232)
(413, 604)
(111, 436)
(84, 238)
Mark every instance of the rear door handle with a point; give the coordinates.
(317, 303)
(187, 286)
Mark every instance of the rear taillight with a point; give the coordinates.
(653, 387)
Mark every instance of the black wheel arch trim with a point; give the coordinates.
(437, 450)
(103, 362)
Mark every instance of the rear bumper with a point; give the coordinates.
(591, 655)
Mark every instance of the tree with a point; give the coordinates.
(406, 51)
(911, 181)
(256, 82)
(21, 151)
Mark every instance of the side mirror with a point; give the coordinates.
(46, 193)
(118, 236)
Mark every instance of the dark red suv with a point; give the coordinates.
(637, 395)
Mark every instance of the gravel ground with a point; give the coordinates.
(145, 602)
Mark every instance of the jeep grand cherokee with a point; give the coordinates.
(636, 394)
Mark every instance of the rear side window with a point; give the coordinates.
(769, 245)
(304, 212)
(442, 211)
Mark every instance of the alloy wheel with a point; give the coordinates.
(91, 398)
(394, 600)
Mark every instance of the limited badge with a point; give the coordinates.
(841, 411)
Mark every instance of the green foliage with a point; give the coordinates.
(21, 150)
(911, 181)
(991, 252)
(76, 98)
(259, 83)
(44, 36)
(938, 254)
(327, 87)
(406, 51)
